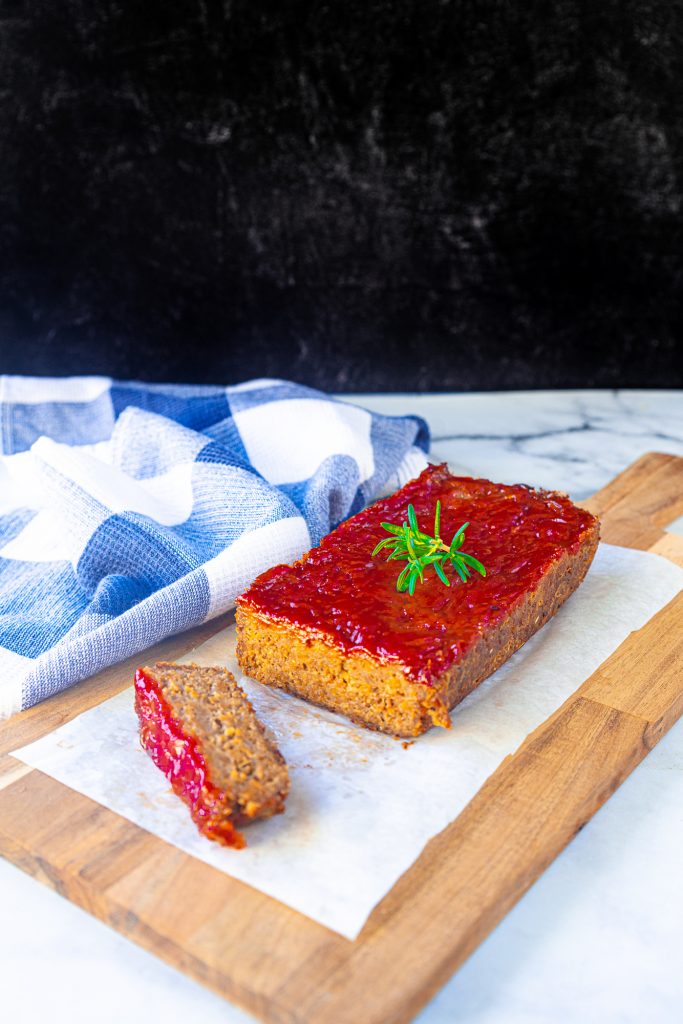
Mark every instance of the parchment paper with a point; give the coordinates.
(362, 806)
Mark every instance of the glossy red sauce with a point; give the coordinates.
(342, 595)
(180, 759)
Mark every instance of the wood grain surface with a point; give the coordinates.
(282, 966)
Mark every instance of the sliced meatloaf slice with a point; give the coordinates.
(200, 729)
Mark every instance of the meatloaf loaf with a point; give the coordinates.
(333, 629)
(199, 728)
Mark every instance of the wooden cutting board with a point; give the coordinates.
(284, 967)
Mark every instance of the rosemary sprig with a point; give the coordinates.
(420, 551)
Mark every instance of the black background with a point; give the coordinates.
(377, 194)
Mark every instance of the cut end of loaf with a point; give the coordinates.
(374, 695)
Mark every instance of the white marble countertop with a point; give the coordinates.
(598, 938)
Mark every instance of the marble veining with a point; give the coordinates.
(597, 938)
(574, 441)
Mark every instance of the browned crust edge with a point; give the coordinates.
(380, 696)
(497, 645)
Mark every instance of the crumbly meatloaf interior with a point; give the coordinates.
(379, 695)
(241, 760)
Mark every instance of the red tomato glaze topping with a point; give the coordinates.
(340, 594)
(178, 756)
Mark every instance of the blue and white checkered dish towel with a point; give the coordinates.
(131, 511)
